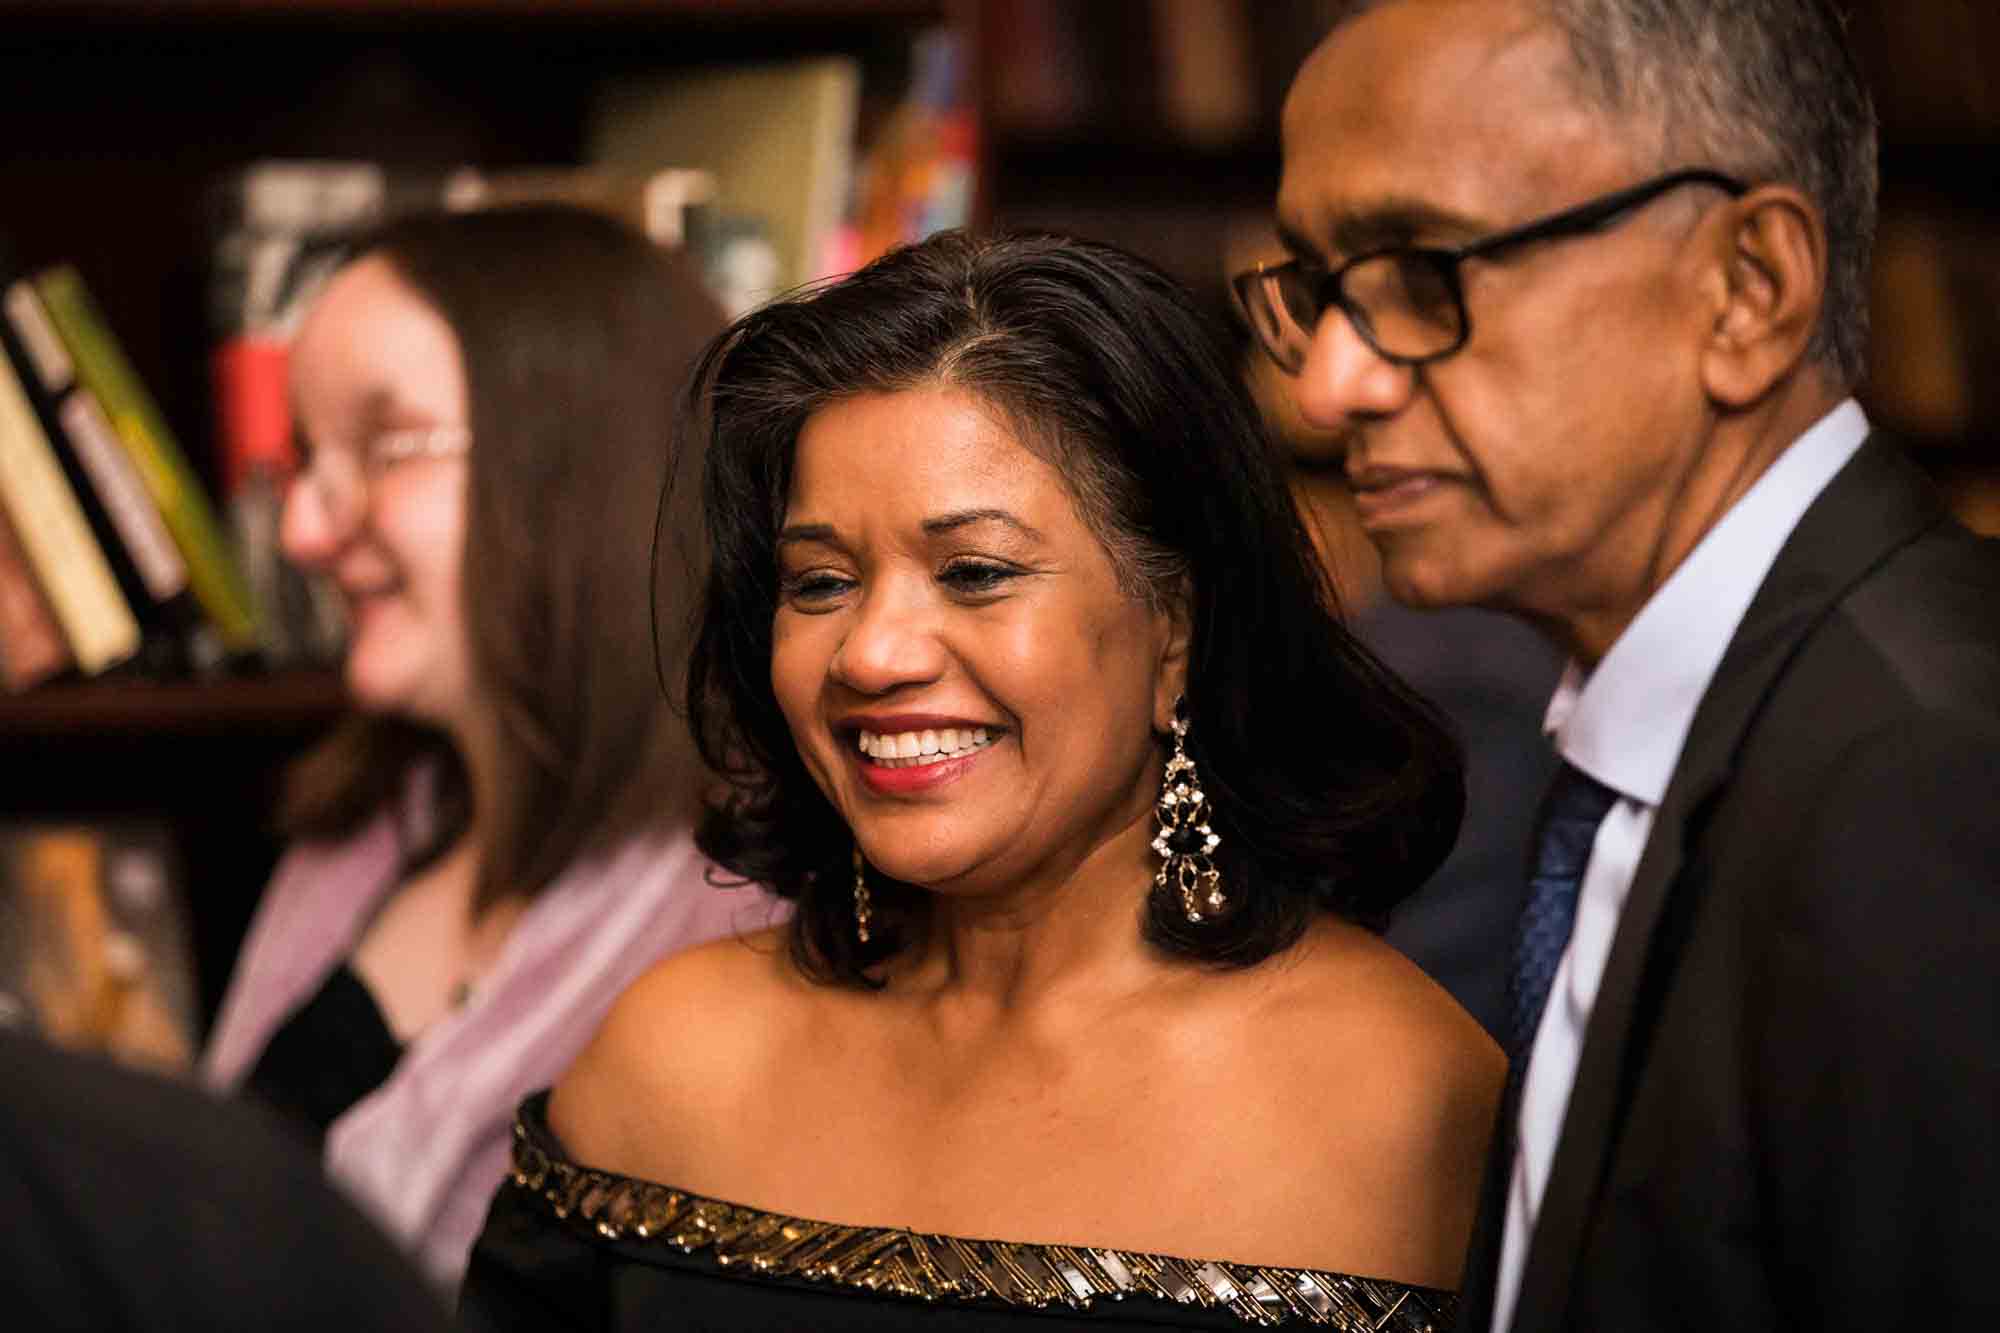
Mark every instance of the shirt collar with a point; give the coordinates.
(1624, 723)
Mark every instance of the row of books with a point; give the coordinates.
(1201, 74)
(110, 551)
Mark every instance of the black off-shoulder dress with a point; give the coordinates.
(568, 1247)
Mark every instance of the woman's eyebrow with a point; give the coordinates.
(959, 518)
(797, 533)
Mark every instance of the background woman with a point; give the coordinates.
(997, 546)
(500, 841)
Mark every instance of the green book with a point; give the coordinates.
(102, 366)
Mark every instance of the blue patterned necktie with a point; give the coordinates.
(1575, 806)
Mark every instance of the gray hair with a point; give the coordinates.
(1766, 90)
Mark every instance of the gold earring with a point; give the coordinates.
(1185, 842)
(861, 910)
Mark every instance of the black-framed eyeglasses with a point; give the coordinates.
(1407, 301)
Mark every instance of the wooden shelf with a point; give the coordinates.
(222, 705)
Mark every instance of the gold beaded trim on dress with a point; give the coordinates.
(928, 1267)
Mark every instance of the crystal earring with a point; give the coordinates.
(861, 905)
(1185, 842)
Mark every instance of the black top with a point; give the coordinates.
(334, 1050)
(135, 1204)
(566, 1247)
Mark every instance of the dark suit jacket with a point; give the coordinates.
(1786, 1110)
(129, 1203)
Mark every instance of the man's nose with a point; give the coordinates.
(1343, 380)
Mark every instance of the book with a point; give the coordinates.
(660, 203)
(94, 940)
(122, 516)
(1041, 84)
(49, 523)
(918, 174)
(1206, 71)
(779, 139)
(32, 647)
(102, 367)
(281, 229)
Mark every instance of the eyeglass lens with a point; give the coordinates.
(334, 477)
(340, 477)
(1404, 303)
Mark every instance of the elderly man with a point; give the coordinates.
(1582, 282)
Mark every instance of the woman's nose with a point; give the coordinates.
(308, 531)
(890, 643)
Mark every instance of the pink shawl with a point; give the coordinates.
(424, 1153)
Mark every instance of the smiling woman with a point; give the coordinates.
(1012, 641)
(498, 839)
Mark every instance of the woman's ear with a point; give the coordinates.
(1174, 625)
(1771, 267)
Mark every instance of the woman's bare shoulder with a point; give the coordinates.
(1351, 984)
(1402, 1046)
(1388, 1089)
(691, 1034)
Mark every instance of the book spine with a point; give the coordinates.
(74, 574)
(102, 368)
(101, 460)
(32, 647)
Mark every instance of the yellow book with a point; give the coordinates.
(102, 366)
(53, 532)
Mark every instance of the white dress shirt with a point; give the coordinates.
(1624, 724)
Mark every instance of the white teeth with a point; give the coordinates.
(910, 748)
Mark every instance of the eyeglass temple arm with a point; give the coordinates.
(1598, 212)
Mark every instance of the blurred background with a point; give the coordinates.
(177, 173)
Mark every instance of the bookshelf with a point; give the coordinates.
(182, 708)
(121, 115)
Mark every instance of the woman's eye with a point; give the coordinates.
(976, 576)
(812, 587)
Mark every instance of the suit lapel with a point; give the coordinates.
(1877, 504)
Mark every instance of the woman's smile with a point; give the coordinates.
(913, 759)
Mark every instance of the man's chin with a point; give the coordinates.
(1427, 584)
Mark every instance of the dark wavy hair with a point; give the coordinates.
(1335, 788)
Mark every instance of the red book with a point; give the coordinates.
(32, 647)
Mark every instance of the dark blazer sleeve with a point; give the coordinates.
(1880, 1058)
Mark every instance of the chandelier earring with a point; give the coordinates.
(862, 907)
(1185, 843)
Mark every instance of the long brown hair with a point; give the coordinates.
(577, 336)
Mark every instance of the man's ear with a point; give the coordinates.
(1176, 626)
(1770, 268)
